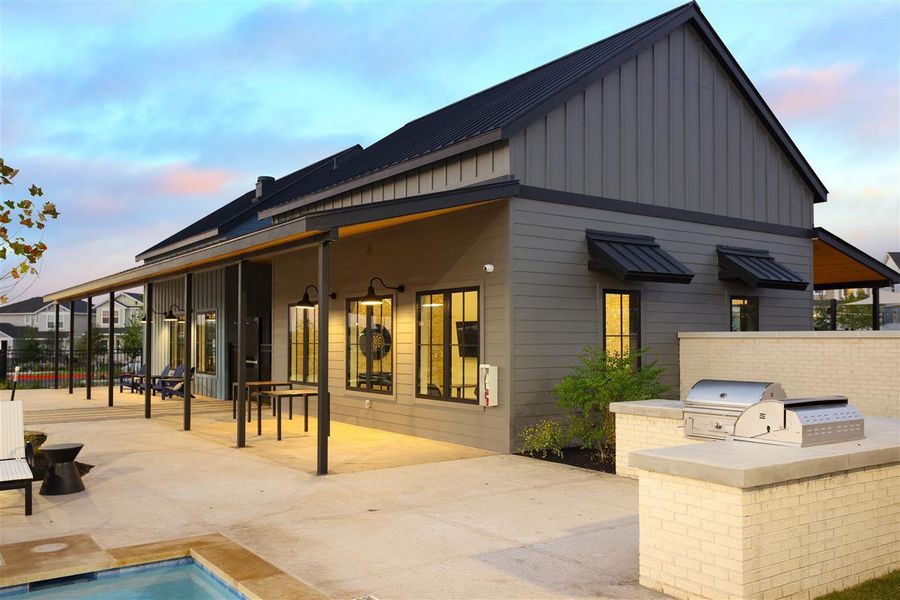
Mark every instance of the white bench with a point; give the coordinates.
(16, 456)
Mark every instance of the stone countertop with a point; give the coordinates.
(665, 409)
(746, 464)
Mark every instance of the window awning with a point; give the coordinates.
(757, 268)
(634, 258)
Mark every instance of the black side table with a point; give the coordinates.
(62, 473)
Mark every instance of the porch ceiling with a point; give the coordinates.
(837, 264)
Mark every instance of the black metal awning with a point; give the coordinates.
(634, 258)
(757, 268)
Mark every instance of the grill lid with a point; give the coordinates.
(733, 395)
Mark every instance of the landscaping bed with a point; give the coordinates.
(580, 457)
(37, 439)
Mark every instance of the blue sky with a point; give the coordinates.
(137, 118)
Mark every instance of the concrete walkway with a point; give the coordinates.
(485, 527)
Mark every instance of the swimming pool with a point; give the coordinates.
(182, 578)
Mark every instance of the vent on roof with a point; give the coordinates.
(265, 184)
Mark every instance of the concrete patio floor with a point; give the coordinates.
(488, 526)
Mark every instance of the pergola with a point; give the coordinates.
(316, 230)
(838, 265)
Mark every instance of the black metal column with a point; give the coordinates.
(876, 314)
(89, 360)
(323, 412)
(148, 348)
(241, 358)
(111, 347)
(71, 346)
(56, 347)
(832, 313)
(188, 326)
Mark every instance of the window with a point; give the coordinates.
(176, 342)
(448, 344)
(206, 342)
(303, 350)
(104, 316)
(744, 313)
(370, 354)
(621, 322)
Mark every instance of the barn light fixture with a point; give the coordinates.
(371, 298)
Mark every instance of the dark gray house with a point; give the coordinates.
(633, 189)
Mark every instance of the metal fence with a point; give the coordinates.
(37, 366)
(841, 316)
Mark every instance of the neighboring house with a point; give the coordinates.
(128, 306)
(34, 318)
(616, 196)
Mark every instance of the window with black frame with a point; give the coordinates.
(176, 342)
(621, 322)
(448, 344)
(744, 313)
(370, 352)
(206, 342)
(303, 351)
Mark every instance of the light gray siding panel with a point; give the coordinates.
(667, 128)
(556, 299)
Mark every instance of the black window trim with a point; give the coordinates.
(196, 357)
(637, 294)
(447, 337)
(306, 343)
(732, 298)
(369, 314)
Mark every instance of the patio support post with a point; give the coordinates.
(89, 359)
(323, 412)
(832, 314)
(876, 314)
(188, 322)
(71, 346)
(111, 334)
(56, 347)
(148, 348)
(241, 358)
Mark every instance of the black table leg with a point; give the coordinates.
(278, 400)
(305, 413)
(291, 408)
(259, 415)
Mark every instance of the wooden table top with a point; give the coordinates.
(288, 393)
(266, 383)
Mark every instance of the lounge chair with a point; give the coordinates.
(175, 387)
(132, 380)
(16, 455)
(166, 381)
(142, 381)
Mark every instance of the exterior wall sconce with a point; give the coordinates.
(371, 298)
(306, 303)
(168, 315)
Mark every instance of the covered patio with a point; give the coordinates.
(245, 255)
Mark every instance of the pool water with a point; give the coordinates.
(181, 579)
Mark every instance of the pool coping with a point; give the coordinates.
(249, 574)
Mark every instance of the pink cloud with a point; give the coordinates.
(800, 92)
(185, 180)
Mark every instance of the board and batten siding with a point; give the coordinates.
(667, 128)
(556, 300)
(469, 168)
(439, 253)
(209, 294)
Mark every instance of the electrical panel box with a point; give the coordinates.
(488, 394)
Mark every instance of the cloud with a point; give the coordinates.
(185, 180)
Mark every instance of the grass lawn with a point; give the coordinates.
(883, 588)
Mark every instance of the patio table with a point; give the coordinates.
(62, 473)
(250, 386)
(277, 395)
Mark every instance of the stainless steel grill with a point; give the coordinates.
(761, 412)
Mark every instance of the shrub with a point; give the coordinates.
(600, 379)
(544, 438)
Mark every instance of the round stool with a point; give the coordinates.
(62, 473)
